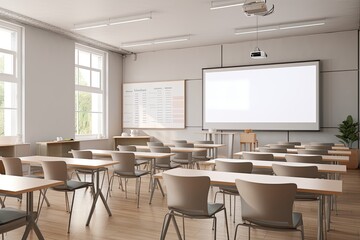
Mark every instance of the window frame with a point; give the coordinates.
(102, 90)
(17, 76)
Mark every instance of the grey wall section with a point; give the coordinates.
(49, 86)
(49, 89)
(339, 77)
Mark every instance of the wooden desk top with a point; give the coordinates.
(219, 133)
(139, 137)
(17, 185)
(174, 149)
(310, 185)
(71, 162)
(13, 144)
(328, 168)
(331, 152)
(328, 158)
(59, 142)
(201, 145)
(336, 147)
(151, 155)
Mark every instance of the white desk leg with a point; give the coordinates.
(231, 146)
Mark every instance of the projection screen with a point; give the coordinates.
(262, 97)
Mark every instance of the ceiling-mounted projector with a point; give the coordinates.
(257, 8)
(258, 54)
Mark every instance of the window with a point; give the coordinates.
(10, 80)
(90, 95)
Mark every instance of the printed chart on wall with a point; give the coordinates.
(154, 105)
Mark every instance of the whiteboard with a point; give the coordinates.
(154, 105)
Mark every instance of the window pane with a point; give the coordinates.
(8, 95)
(84, 123)
(96, 123)
(8, 122)
(6, 63)
(84, 77)
(77, 76)
(84, 58)
(97, 103)
(95, 79)
(96, 61)
(8, 39)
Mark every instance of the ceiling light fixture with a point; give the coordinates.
(220, 4)
(156, 41)
(113, 21)
(242, 31)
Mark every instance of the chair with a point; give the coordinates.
(88, 155)
(202, 156)
(258, 156)
(184, 158)
(321, 147)
(273, 150)
(237, 167)
(313, 151)
(262, 157)
(179, 141)
(284, 145)
(57, 170)
(292, 143)
(303, 158)
(268, 206)
(248, 138)
(187, 198)
(126, 169)
(163, 163)
(129, 148)
(155, 144)
(13, 166)
(11, 219)
(322, 143)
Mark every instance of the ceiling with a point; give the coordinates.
(185, 17)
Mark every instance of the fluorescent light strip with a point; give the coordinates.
(113, 21)
(284, 27)
(156, 41)
(225, 4)
(240, 31)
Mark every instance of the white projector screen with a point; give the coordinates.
(262, 97)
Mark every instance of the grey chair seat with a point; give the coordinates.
(167, 166)
(72, 185)
(296, 217)
(8, 215)
(213, 208)
(138, 173)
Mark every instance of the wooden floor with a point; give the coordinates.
(129, 222)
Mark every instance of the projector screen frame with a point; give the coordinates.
(282, 126)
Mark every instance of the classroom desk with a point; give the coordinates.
(336, 147)
(327, 158)
(330, 152)
(93, 164)
(326, 168)
(231, 136)
(323, 187)
(130, 140)
(18, 185)
(174, 149)
(211, 146)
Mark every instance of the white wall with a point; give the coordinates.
(50, 91)
(338, 53)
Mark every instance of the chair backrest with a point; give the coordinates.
(184, 155)
(303, 158)
(313, 151)
(278, 145)
(164, 149)
(82, 154)
(128, 148)
(55, 170)
(153, 144)
(262, 202)
(13, 166)
(179, 141)
(321, 147)
(292, 143)
(187, 194)
(126, 162)
(258, 156)
(238, 167)
(322, 143)
(296, 171)
(272, 150)
(204, 142)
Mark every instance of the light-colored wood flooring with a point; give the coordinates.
(129, 222)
